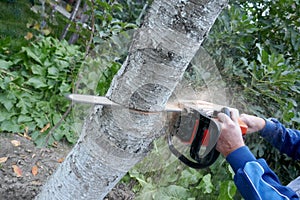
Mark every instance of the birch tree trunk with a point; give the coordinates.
(113, 141)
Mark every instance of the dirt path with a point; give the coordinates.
(25, 168)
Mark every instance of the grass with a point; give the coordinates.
(18, 13)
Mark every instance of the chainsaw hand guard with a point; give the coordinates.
(201, 133)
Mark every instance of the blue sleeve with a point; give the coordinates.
(285, 139)
(254, 179)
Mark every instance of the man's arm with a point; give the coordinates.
(285, 139)
(253, 178)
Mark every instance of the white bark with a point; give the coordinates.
(113, 141)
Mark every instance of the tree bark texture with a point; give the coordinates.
(114, 140)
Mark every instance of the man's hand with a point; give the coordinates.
(231, 136)
(254, 123)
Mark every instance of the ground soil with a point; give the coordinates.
(24, 168)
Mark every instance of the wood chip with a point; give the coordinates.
(3, 159)
(16, 143)
(17, 170)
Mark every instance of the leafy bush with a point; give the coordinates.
(162, 176)
(247, 52)
(33, 84)
(257, 50)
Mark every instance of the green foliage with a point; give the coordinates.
(107, 18)
(106, 78)
(162, 176)
(33, 84)
(275, 78)
(96, 73)
(113, 17)
(256, 46)
(246, 37)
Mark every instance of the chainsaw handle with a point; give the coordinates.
(226, 111)
(242, 124)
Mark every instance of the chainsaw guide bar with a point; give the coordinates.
(170, 106)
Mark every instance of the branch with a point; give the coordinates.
(72, 18)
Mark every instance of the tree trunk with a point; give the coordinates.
(114, 140)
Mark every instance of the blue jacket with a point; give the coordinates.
(253, 177)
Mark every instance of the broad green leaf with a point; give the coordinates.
(38, 70)
(58, 135)
(71, 136)
(37, 82)
(40, 120)
(6, 115)
(47, 63)
(206, 185)
(172, 192)
(31, 54)
(25, 105)
(65, 88)
(5, 64)
(62, 64)
(148, 192)
(10, 126)
(189, 176)
(24, 118)
(56, 118)
(139, 177)
(7, 103)
(39, 138)
(227, 190)
(53, 72)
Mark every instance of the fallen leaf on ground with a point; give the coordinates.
(16, 143)
(45, 128)
(3, 159)
(34, 170)
(55, 144)
(17, 170)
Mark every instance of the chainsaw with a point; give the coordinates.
(195, 133)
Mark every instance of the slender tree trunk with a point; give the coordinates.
(83, 19)
(72, 18)
(113, 141)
